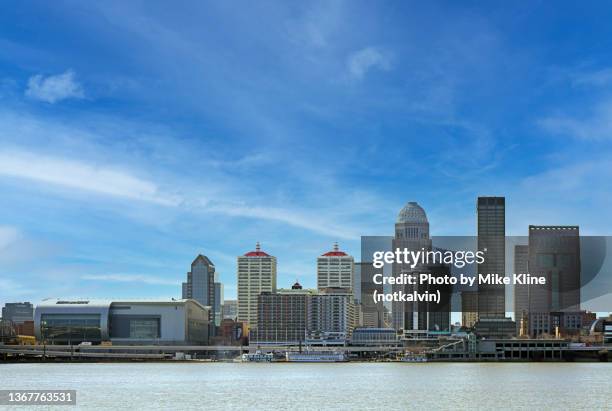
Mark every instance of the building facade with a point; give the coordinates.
(363, 336)
(18, 313)
(218, 303)
(521, 291)
(370, 314)
(491, 216)
(554, 253)
(335, 269)
(412, 234)
(229, 309)
(469, 308)
(122, 322)
(200, 284)
(256, 274)
(332, 312)
(282, 316)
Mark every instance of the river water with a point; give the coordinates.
(346, 386)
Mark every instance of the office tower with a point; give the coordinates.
(335, 269)
(371, 315)
(412, 233)
(491, 213)
(521, 291)
(200, 286)
(229, 309)
(218, 303)
(332, 312)
(469, 308)
(281, 316)
(18, 313)
(256, 274)
(554, 253)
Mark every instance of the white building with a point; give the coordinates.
(335, 269)
(256, 274)
(332, 311)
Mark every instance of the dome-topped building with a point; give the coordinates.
(412, 213)
(412, 223)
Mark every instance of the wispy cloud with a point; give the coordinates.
(291, 217)
(52, 89)
(596, 78)
(81, 176)
(595, 126)
(364, 60)
(315, 27)
(131, 278)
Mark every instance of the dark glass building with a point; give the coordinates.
(491, 213)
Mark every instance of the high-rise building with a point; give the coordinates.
(491, 213)
(299, 315)
(371, 315)
(335, 269)
(554, 253)
(332, 311)
(218, 303)
(256, 274)
(229, 309)
(412, 233)
(200, 285)
(18, 313)
(521, 291)
(282, 316)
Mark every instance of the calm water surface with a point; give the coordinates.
(215, 386)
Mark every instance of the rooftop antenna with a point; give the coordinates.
(257, 246)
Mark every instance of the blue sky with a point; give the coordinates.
(135, 135)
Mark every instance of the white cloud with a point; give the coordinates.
(81, 176)
(52, 89)
(131, 278)
(596, 126)
(362, 61)
(287, 216)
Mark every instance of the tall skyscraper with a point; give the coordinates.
(335, 269)
(554, 253)
(491, 212)
(200, 284)
(412, 233)
(256, 274)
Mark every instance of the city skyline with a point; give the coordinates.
(143, 142)
(333, 250)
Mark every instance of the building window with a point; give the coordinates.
(144, 329)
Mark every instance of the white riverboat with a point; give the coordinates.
(257, 356)
(316, 356)
(413, 358)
